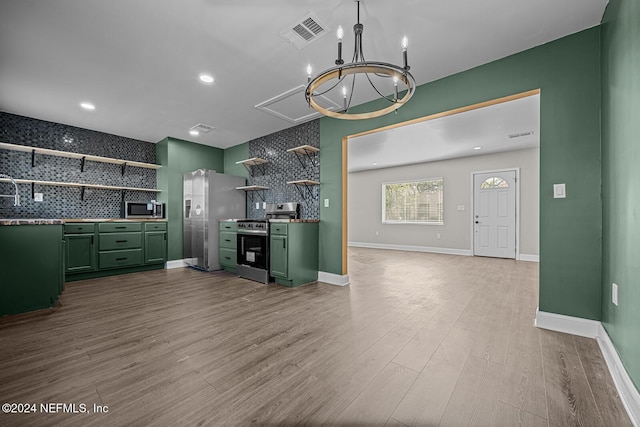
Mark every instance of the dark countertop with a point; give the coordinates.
(30, 221)
(58, 221)
(68, 220)
(294, 220)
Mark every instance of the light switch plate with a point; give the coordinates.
(614, 294)
(559, 191)
(37, 197)
(326, 203)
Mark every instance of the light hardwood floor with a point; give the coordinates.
(416, 339)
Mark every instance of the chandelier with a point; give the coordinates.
(381, 76)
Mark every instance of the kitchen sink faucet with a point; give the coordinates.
(16, 197)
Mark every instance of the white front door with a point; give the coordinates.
(494, 214)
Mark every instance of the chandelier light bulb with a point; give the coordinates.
(405, 42)
(309, 73)
(340, 32)
(344, 98)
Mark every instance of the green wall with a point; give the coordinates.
(178, 157)
(620, 176)
(568, 73)
(234, 154)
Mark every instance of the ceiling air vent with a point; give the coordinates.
(202, 128)
(304, 31)
(518, 135)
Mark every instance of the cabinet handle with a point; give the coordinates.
(227, 240)
(227, 257)
(121, 241)
(120, 259)
(91, 240)
(121, 227)
(284, 243)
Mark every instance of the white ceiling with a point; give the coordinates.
(139, 61)
(508, 126)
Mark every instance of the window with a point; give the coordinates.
(494, 182)
(418, 202)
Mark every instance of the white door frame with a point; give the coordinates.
(473, 173)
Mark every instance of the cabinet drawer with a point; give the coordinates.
(76, 228)
(115, 259)
(279, 229)
(229, 226)
(110, 227)
(155, 226)
(112, 241)
(228, 240)
(228, 257)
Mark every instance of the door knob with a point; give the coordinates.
(477, 222)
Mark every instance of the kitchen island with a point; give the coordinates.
(31, 264)
(39, 255)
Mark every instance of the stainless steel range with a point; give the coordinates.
(253, 241)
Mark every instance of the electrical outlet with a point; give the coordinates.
(377, 233)
(614, 294)
(438, 235)
(264, 205)
(37, 197)
(326, 203)
(257, 205)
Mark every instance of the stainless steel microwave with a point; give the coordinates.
(150, 209)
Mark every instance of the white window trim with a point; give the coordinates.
(404, 181)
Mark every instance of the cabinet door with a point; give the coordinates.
(79, 252)
(279, 256)
(155, 247)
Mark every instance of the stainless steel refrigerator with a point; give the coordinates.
(208, 198)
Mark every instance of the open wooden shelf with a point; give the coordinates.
(308, 151)
(254, 161)
(306, 183)
(254, 188)
(35, 182)
(82, 157)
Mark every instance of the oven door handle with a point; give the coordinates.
(242, 246)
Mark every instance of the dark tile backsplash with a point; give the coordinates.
(66, 202)
(284, 167)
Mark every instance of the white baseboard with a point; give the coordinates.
(431, 249)
(176, 263)
(529, 257)
(593, 329)
(333, 279)
(567, 324)
(626, 389)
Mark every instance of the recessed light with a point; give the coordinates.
(477, 148)
(206, 78)
(88, 106)
(194, 132)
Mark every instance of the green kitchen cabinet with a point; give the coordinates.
(228, 246)
(155, 247)
(79, 248)
(279, 257)
(32, 267)
(110, 248)
(294, 253)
